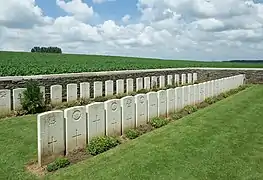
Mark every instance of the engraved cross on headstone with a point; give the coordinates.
(96, 121)
(52, 143)
(76, 136)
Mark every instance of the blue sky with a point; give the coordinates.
(113, 10)
(170, 29)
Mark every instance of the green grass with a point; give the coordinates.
(222, 141)
(21, 63)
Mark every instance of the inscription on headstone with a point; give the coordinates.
(127, 113)
(140, 109)
(152, 105)
(113, 117)
(5, 101)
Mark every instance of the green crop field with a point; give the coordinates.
(22, 63)
(223, 141)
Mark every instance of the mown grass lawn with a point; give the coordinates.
(223, 141)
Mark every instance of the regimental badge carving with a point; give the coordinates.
(128, 102)
(2, 94)
(76, 115)
(142, 99)
(51, 119)
(114, 106)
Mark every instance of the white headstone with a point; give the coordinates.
(108, 88)
(206, 89)
(162, 103)
(177, 79)
(5, 101)
(97, 88)
(147, 83)
(75, 123)
(140, 109)
(129, 86)
(139, 84)
(152, 104)
(120, 86)
(183, 79)
(210, 88)
(95, 120)
(170, 101)
(113, 117)
(202, 92)
(186, 95)
(162, 81)
(127, 113)
(56, 94)
(194, 77)
(72, 94)
(178, 98)
(17, 95)
(154, 82)
(196, 93)
(169, 79)
(43, 91)
(189, 78)
(85, 90)
(50, 132)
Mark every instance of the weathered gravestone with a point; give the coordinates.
(183, 79)
(85, 90)
(72, 94)
(120, 86)
(108, 88)
(194, 77)
(56, 94)
(154, 82)
(170, 101)
(139, 84)
(162, 81)
(189, 78)
(140, 109)
(95, 120)
(169, 80)
(177, 79)
(97, 88)
(17, 96)
(75, 123)
(113, 117)
(191, 94)
(43, 91)
(196, 93)
(152, 104)
(5, 101)
(129, 86)
(127, 113)
(202, 92)
(162, 103)
(50, 130)
(147, 83)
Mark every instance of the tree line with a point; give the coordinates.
(46, 49)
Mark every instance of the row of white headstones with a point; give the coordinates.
(65, 131)
(56, 90)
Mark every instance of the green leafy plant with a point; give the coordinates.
(101, 144)
(190, 109)
(210, 100)
(32, 99)
(57, 164)
(158, 122)
(132, 133)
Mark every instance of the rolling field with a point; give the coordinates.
(22, 63)
(222, 141)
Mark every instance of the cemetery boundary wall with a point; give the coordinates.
(253, 75)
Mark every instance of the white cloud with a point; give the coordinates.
(185, 29)
(80, 10)
(126, 18)
(101, 1)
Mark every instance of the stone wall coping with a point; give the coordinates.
(108, 73)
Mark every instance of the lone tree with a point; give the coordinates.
(46, 49)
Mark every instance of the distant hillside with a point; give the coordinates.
(246, 61)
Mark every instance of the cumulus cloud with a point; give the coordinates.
(185, 29)
(21, 14)
(80, 10)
